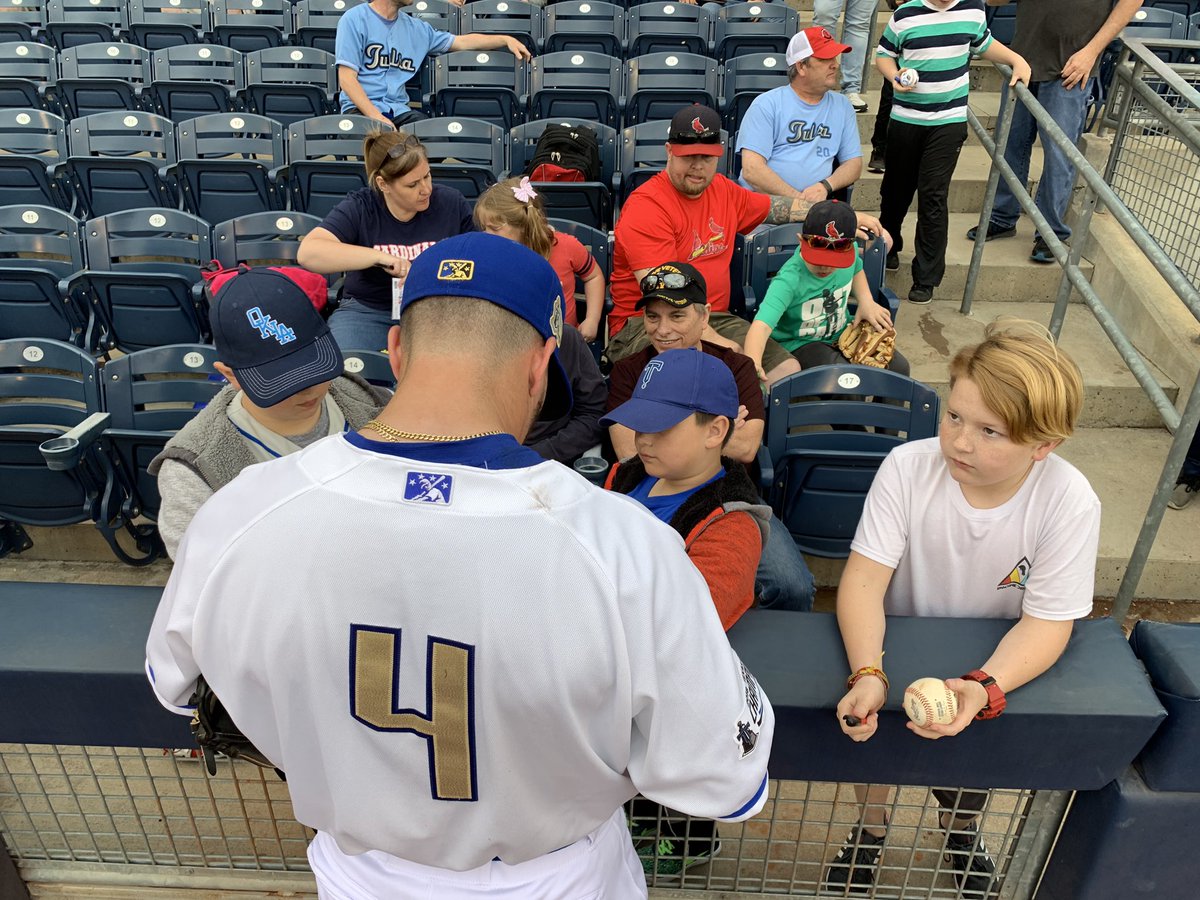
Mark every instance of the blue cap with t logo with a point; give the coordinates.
(674, 385)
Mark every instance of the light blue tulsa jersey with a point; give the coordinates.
(385, 53)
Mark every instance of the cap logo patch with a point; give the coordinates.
(826, 35)
(456, 270)
(556, 319)
(655, 365)
(268, 327)
(697, 126)
(832, 232)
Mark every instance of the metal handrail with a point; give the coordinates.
(1182, 424)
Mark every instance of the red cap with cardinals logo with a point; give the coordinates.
(696, 131)
(827, 237)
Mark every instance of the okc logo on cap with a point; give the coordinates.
(655, 365)
(268, 327)
(456, 270)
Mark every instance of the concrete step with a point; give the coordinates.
(966, 189)
(929, 336)
(1007, 274)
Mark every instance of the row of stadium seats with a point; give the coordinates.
(291, 83)
(132, 279)
(76, 439)
(249, 25)
(224, 165)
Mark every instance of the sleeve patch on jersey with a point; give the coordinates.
(428, 487)
(749, 722)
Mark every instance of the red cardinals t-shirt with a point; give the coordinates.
(658, 224)
(569, 258)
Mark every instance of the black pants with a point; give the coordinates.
(882, 117)
(820, 354)
(921, 160)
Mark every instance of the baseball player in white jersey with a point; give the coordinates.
(463, 685)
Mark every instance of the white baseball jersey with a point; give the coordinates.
(1034, 554)
(460, 654)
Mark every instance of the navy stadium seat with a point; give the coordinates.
(249, 25)
(224, 165)
(492, 85)
(658, 84)
(817, 480)
(142, 267)
(22, 20)
(517, 19)
(666, 27)
(585, 26)
(316, 22)
(371, 366)
(325, 161)
(466, 154)
(39, 247)
(28, 71)
(290, 83)
(155, 24)
(30, 141)
(96, 78)
(71, 23)
(754, 27)
(261, 239)
(576, 84)
(114, 162)
(196, 80)
(588, 202)
(745, 77)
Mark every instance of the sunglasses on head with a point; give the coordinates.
(406, 143)
(672, 281)
(820, 242)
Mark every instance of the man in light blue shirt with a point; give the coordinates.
(792, 135)
(378, 50)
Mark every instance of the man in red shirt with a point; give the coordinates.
(691, 214)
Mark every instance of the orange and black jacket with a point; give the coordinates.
(724, 527)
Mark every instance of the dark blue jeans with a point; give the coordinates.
(1068, 109)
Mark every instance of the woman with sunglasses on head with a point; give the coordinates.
(376, 232)
(806, 307)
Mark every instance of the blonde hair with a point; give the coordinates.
(390, 155)
(500, 202)
(1025, 379)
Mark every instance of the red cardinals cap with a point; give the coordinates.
(696, 131)
(827, 238)
(815, 41)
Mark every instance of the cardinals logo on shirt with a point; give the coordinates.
(1018, 577)
(710, 246)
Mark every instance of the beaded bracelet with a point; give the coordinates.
(868, 670)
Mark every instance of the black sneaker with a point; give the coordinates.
(973, 869)
(892, 263)
(878, 162)
(920, 293)
(854, 866)
(993, 231)
(1041, 253)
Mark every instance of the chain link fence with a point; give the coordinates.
(152, 811)
(1154, 167)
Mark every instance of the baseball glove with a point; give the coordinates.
(864, 346)
(216, 732)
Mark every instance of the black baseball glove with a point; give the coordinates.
(216, 732)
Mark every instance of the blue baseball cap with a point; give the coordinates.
(501, 271)
(674, 385)
(265, 328)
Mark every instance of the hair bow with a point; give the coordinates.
(524, 191)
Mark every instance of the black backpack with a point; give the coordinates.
(565, 153)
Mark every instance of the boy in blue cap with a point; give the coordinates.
(682, 414)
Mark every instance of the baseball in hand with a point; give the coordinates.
(908, 77)
(928, 701)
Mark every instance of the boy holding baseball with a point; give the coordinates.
(806, 307)
(982, 521)
(934, 39)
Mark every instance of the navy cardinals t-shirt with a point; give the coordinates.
(363, 219)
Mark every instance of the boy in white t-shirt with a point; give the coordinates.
(983, 521)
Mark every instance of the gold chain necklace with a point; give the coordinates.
(396, 435)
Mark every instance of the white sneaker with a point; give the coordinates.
(857, 101)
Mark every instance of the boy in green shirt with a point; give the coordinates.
(806, 308)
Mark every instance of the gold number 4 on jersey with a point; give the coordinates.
(448, 726)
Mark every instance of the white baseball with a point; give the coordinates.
(928, 701)
(908, 77)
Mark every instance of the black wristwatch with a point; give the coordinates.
(824, 182)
